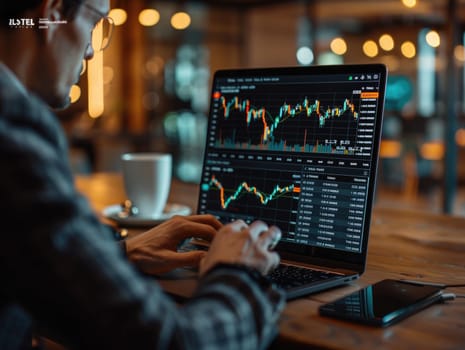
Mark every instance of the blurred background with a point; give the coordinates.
(149, 90)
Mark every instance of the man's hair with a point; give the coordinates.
(16, 8)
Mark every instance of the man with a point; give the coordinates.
(61, 272)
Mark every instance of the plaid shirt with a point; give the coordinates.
(63, 272)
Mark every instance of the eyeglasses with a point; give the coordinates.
(101, 34)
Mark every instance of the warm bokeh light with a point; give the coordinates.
(370, 48)
(119, 16)
(390, 149)
(154, 66)
(84, 67)
(459, 53)
(149, 17)
(108, 74)
(180, 20)
(409, 3)
(338, 46)
(96, 104)
(433, 39)
(460, 137)
(74, 93)
(433, 150)
(386, 42)
(408, 49)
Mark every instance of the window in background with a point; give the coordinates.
(304, 52)
(426, 75)
(187, 78)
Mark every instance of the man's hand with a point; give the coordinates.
(238, 243)
(155, 251)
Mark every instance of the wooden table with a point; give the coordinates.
(403, 244)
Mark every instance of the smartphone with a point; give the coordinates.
(382, 303)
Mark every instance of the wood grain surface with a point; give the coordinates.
(403, 245)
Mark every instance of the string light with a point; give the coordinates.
(408, 49)
(370, 48)
(409, 3)
(180, 20)
(149, 17)
(338, 46)
(433, 39)
(386, 42)
(119, 16)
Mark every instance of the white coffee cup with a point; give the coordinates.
(147, 181)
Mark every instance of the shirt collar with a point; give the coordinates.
(14, 79)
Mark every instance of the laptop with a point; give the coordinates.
(297, 147)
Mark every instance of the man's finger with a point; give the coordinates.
(187, 259)
(257, 228)
(270, 238)
(206, 219)
(191, 228)
(274, 261)
(238, 225)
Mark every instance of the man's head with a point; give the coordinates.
(49, 57)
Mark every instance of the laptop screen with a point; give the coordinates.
(297, 148)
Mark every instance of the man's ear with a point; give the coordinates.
(51, 10)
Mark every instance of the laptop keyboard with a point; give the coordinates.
(289, 276)
(285, 276)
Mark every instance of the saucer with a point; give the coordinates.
(111, 212)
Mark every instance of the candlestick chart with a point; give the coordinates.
(255, 195)
(245, 188)
(304, 125)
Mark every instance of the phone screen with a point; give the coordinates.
(382, 303)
